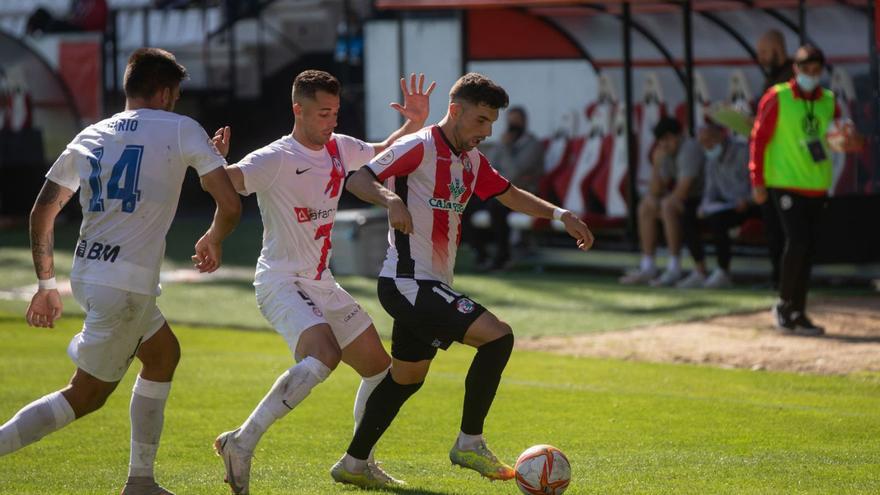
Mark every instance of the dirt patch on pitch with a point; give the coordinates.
(851, 343)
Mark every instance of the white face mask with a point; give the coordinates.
(714, 153)
(807, 83)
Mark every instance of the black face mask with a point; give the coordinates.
(516, 130)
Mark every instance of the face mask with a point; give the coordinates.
(807, 83)
(516, 130)
(714, 153)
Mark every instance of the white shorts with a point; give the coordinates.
(294, 304)
(117, 323)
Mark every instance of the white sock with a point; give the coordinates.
(147, 413)
(368, 384)
(468, 442)
(289, 390)
(647, 263)
(353, 465)
(34, 421)
(674, 264)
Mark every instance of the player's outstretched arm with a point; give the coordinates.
(209, 249)
(525, 202)
(364, 185)
(46, 306)
(415, 109)
(222, 140)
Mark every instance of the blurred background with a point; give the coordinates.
(575, 67)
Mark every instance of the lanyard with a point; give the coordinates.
(810, 123)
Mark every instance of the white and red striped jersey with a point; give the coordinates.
(436, 183)
(298, 191)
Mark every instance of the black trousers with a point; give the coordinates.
(800, 217)
(720, 224)
(498, 234)
(775, 238)
(690, 226)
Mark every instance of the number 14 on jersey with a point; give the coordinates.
(127, 170)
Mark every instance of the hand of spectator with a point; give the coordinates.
(759, 193)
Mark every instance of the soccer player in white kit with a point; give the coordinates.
(298, 180)
(428, 179)
(130, 168)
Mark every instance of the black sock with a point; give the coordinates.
(482, 382)
(380, 410)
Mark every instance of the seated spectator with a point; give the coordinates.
(726, 196)
(85, 15)
(519, 156)
(675, 193)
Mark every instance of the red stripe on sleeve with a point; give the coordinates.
(489, 182)
(403, 165)
(762, 133)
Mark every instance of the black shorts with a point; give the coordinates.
(427, 315)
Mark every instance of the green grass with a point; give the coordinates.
(627, 427)
(553, 303)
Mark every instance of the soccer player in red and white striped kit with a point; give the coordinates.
(425, 181)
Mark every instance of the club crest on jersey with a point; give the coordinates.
(466, 163)
(456, 188)
(465, 305)
(386, 158)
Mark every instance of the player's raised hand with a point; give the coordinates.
(416, 106)
(399, 216)
(44, 309)
(209, 254)
(579, 230)
(221, 140)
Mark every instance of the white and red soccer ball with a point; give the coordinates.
(542, 470)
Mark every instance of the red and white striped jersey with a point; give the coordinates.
(436, 183)
(298, 192)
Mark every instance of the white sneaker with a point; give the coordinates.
(693, 281)
(718, 279)
(668, 278)
(237, 462)
(143, 486)
(638, 277)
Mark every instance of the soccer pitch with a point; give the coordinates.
(627, 427)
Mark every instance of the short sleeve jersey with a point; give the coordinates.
(298, 191)
(689, 162)
(130, 168)
(436, 184)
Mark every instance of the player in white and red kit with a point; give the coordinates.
(425, 181)
(298, 180)
(129, 169)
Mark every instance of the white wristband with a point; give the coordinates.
(558, 212)
(48, 284)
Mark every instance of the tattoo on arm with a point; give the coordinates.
(52, 193)
(42, 250)
(50, 201)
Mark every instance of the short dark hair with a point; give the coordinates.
(151, 70)
(309, 82)
(478, 89)
(665, 127)
(809, 53)
(520, 110)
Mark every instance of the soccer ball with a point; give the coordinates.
(842, 137)
(542, 470)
